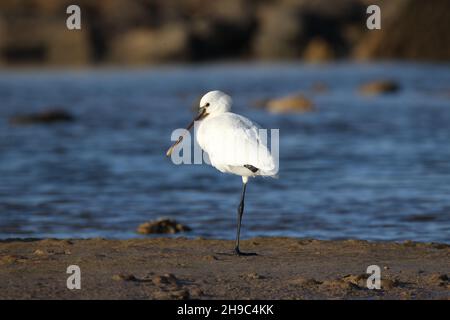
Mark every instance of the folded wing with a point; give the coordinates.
(233, 140)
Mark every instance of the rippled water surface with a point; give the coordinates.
(372, 168)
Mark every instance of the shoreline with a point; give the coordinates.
(180, 268)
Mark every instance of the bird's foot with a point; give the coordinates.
(238, 252)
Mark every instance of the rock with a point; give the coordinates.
(210, 258)
(388, 284)
(137, 32)
(409, 243)
(253, 276)
(124, 277)
(177, 294)
(65, 47)
(338, 285)
(167, 279)
(438, 279)
(358, 280)
(10, 259)
(295, 103)
(231, 10)
(439, 246)
(162, 226)
(3, 36)
(281, 33)
(318, 50)
(379, 87)
(305, 282)
(40, 252)
(221, 30)
(196, 292)
(411, 29)
(144, 45)
(181, 294)
(24, 43)
(47, 117)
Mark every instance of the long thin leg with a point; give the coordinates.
(240, 213)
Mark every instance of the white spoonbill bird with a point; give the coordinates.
(233, 143)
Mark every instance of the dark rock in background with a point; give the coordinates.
(410, 29)
(44, 117)
(155, 31)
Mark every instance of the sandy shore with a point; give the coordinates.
(162, 268)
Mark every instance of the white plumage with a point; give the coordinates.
(233, 141)
(234, 144)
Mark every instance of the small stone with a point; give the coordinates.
(124, 277)
(338, 284)
(182, 294)
(10, 259)
(409, 243)
(358, 280)
(178, 294)
(162, 226)
(167, 279)
(40, 252)
(294, 103)
(306, 282)
(438, 279)
(379, 87)
(388, 284)
(439, 245)
(196, 291)
(406, 295)
(211, 258)
(254, 276)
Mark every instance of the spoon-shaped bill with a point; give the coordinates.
(200, 116)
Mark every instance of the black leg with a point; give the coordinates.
(240, 213)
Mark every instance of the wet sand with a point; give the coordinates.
(164, 268)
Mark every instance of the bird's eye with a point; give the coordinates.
(207, 105)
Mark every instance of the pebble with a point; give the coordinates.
(124, 277)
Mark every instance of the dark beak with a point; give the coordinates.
(200, 116)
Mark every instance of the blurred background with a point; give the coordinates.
(364, 116)
(142, 32)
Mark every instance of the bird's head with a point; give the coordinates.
(214, 103)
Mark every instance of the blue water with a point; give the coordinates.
(374, 168)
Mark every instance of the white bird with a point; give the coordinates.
(233, 143)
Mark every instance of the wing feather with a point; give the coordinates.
(233, 140)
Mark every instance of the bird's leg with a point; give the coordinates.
(240, 212)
